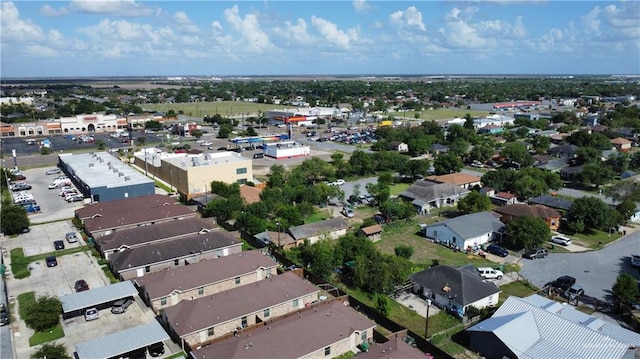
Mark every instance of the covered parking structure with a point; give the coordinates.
(121, 343)
(73, 305)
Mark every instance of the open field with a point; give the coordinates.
(238, 108)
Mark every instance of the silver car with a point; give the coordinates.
(71, 237)
(91, 314)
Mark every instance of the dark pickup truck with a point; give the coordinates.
(562, 283)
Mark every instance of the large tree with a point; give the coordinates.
(528, 232)
(517, 152)
(596, 174)
(447, 163)
(592, 212)
(51, 351)
(14, 219)
(474, 202)
(625, 290)
(43, 314)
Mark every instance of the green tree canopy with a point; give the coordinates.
(51, 351)
(625, 289)
(14, 219)
(44, 313)
(447, 163)
(528, 232)
(592, 212)
(474, 202)
(517, 152)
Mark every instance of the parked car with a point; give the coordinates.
(258, 155)
(497, 250)
(348, 212)
(120, 306)
(91, 314)
(51, 261)
(535, 253)
(77, 197)
(20, 187)
(635, 260)
(562, 240)
(574, 292)
(58, 245)
(562, 283)
(490, 273)
(71, 237)
(339, 182)
(53, 171)
(156, 350)
(4, 315)
(81, 285)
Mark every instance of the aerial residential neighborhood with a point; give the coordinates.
(342, 233)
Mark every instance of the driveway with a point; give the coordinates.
(595, 271)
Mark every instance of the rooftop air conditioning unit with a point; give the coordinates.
(90, 164)
(127, 178)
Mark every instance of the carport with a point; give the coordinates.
(117, 344)
(101, 297)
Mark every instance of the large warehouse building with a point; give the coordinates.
(102, 177)
(191, 174)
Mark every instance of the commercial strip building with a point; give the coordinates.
(102, 177)
(191, 174)
(286, 150)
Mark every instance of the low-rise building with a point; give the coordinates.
(549, 215)
(200, 321)
(332, 228)
(621, 144)
(460, 179)
(136, 262)
(373, 233)
(169, 287)
(102, 177)
(426, 195)
(326, 330)
(467, 231)
(286, 150)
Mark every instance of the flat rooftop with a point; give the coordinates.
(100, 169)
(186, 161)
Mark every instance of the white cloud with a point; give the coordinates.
(17, 30)
(332, 34)
(294, 34)
(125, 8)
(254, 40)
(361, 6)
(40, 51)
(49, 11)
(410, 18)
(628, 15)
(184, 24)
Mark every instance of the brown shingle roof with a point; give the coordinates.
(127, 204)
(505, 195)
(376, 228)
(394, 348)
(292, 337)
(127, 214)
(620, 141)
(184, 278)
(250, 194)
(136, 236)
(170, 250)
(195, 315)
(457, 178)
(536, 210)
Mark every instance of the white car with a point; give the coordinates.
(207, 143)
(562, 240)
(53, 171)
(490, 273)
(339, 182)
(75, 197)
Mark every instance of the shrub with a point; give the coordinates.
(43, 314)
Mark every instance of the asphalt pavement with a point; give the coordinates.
(595, 271)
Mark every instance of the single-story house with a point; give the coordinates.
(425, 195)
(399, 146)
(332, 228)
(467, 231)
(537, 328)
(460, 179)
(566, 151)
(170, 286)
(552, 202)
(570, 173)
(621, 144)
(492, 129)
(503, 198)
(325, 330)
(373, 233)
(136, 262)
(455, 288)
(200, 321)
(550, 216)
(437, 149)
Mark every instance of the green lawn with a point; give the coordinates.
(517, 289)
(319, 215)
(223, 108)
(439, 114)
(595, 239)
(44, 337)
(20, 263)
(24, 301)
(398, 188)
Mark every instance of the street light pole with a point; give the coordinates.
(278, 223)
(426, 320)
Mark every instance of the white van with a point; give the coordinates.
(490, 273)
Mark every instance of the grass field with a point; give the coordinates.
(237, 108)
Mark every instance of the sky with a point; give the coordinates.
(311, 37)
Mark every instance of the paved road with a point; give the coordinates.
(595, 271)
(6, 347)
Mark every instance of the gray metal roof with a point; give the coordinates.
(95, 296)
(553, 202)
(318, 228)
(100, 169)
(122, 342)
(555, 336)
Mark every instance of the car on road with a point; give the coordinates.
(58, 245)
(156, 349)
(497, 250)
(207, 143)
(535, 253)
(81, 285)
(53, 171)
(562, 240)
(574, 292)
(490, 273)
(51, 261)
(120, 306)
(4, 315)
(71, 237)
(91, 314)
(562, 283)
(339, 182)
